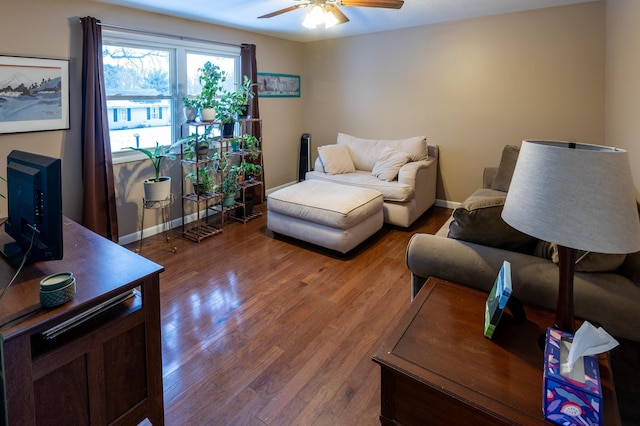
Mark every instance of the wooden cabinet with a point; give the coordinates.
(107, 369)
(204, 211)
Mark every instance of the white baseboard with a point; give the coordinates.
(176, 223)
(447, 204)
(157, 229)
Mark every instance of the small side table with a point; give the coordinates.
(437, 367)
(164, 205)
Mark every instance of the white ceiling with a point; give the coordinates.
(243, 14)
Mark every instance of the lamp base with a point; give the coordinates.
(565, 320)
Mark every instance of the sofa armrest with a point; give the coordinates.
(454, 260)
(488, 175)
(409, 171)
(604, 298)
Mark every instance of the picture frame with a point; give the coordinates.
(272, 85)
(34, 94)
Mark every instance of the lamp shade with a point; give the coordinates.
(575, 195)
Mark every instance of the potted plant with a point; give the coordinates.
(235, 145)
(251, 143)
(220, 162)
(159, 187)
(251, 171)
(238, 169)
(190, 109)
(226, 113)
(196, 145)
(244, 94)
(230, 186)
(211, 79)
(202, 180)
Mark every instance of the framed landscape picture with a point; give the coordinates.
(278, 85)
(34, 94)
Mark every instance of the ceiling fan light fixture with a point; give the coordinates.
(330, 19)
(314, 17)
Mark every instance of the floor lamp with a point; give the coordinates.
(580, 197)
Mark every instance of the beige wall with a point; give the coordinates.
(53, 31)
(470, 86)
(623, 81)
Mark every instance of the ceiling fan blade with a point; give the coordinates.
(388, 4)
(285, 10)
(341, 17)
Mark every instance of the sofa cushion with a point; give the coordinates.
(389, 163)
(391, 191)
(631, 267)
(502, 180)
(478, 220)
(335, 159)
(586, 261)
(365, 152)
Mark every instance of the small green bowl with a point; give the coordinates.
(56, 281)
(51, 298)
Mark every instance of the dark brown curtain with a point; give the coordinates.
(99, 200)
(249, 68)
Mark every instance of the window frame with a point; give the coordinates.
(178, 49)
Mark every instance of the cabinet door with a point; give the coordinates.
(61, 397)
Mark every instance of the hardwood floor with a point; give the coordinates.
(263, 331)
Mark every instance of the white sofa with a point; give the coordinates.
(406, 196)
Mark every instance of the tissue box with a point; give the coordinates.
(568, 401)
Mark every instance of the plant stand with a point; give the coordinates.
(164, 206)
(213, 201)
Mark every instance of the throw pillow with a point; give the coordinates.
(502, 180)
(335, 159)
(585, 261)
(389, 164)
(631, 267)
(365, 152)
(478, 220)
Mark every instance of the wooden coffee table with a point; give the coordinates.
(438, 368)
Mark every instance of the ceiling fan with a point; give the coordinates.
(329, 8)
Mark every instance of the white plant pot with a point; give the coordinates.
(157, 191)
(208, 114)
(190, 114)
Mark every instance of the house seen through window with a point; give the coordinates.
(146, 78)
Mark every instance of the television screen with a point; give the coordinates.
(34, 195)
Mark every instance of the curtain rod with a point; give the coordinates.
(135, 30)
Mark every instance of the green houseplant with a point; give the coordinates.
(234, 105)
(251, 144)
(211, 79)
(243, 96)
(157, 188)
(230, 186)
(251, 171)
(202, 180)
(196, 144)
(227, 113)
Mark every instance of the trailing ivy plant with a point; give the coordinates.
(211, 79)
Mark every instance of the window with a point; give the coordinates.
(146, 78)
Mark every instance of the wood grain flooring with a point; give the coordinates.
(264, 331)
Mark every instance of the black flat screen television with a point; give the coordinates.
(34, 196)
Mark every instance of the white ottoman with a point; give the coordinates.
(331, 215)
